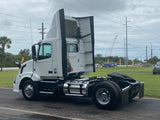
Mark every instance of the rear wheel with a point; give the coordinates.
(29, 90)
(119, 90)
(105, 95)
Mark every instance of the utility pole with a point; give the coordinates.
(159, 49)
(1, 63)
(2, 55)
(126, 44)
(151, 50)
(1, 60)
(42, 31)
(151, 53)
(124, 52)
(146, 56)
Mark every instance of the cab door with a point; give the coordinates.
(43, 65)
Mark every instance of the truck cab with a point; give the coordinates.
(68, 49)
(59, 61)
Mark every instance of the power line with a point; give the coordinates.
(31, 30)
(18, 20)
(10, 15)
(142, 30)
(87, 11)
(18, 31)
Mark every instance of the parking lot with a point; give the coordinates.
(14, 107)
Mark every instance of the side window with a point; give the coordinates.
(72, 48)
(44, 51)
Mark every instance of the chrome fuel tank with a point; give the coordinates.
(77, 87)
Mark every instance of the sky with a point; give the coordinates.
(20, 20)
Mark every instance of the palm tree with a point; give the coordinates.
(4, 42)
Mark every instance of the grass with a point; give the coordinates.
(143, 74)
(7, 78)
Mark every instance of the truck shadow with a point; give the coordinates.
(66, 99)
(85, 103)
(134, 105)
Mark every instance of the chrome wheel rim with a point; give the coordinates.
(28, 90)
(103, 96)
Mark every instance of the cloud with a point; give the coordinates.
(89, 6)
(5, 23)
(109, 15)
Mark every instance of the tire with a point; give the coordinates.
(29, 90)
(119, 90)
(105, 95)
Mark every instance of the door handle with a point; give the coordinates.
(50, 72)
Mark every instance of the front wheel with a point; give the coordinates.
(105, 95)
(29, 90)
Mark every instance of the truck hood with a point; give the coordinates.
(27, 67)
(27, 62)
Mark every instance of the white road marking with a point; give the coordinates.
(34, 112)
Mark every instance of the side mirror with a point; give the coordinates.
(17, 63)
(34, 57)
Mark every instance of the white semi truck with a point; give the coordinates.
(59, 61)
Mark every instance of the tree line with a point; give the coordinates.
(8, 59)
(99, 59)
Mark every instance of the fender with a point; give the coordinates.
(29, 75)
(33, 76)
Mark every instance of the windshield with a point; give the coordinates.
(158, 63)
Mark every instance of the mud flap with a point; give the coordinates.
(125, 93)
(125, 96)
(141, 90)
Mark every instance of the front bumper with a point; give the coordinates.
(15, 87)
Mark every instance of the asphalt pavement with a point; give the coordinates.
(14, 107)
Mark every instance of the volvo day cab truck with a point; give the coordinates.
(59, 61)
